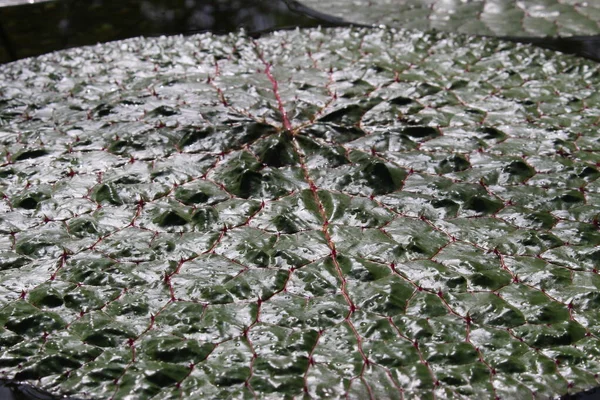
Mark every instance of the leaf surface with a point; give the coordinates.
(347, 213)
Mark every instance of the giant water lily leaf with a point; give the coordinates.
(316, 213)
(479, 17)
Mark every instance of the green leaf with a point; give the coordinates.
(344, 213)
(479, 17)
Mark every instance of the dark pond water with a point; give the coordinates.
(28, 30)
(583, 46)
(16, 391)
(32, 29)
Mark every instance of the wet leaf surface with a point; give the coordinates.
(346, 213)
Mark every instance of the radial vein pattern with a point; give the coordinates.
(321, 213)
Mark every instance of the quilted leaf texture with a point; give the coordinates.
(479, 17)
(337, 213)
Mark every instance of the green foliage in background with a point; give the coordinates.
(317, 213)
(477, 17)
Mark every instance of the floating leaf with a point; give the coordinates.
(360, 213)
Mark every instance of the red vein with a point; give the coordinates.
(286, 121)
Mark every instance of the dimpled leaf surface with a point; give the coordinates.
(479, 17)
(334, 213)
